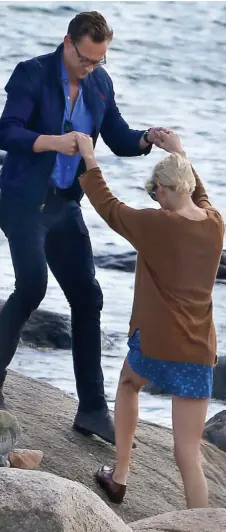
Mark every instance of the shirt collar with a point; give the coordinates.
(64, 75)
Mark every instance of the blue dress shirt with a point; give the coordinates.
(66, 165)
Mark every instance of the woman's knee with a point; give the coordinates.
(128, 379)
(186, 455)
(127, 383)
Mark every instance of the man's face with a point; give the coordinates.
(83, 56)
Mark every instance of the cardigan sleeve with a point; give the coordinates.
(199, 195)
(130, 223)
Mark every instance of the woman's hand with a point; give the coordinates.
(85, 146)
(169, 142)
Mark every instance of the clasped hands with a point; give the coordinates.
(161, 137)
(74, 142)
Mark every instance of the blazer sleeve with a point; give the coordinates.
(132, 224)
(21, 100)
(116, 133)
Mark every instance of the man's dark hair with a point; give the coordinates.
(90, 23)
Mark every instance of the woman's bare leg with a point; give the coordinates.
(126, 415)
(188, 423)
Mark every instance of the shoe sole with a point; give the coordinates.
(87, 433)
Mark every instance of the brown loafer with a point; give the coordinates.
(116, 492)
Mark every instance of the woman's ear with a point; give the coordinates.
(159, 190)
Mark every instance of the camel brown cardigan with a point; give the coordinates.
(176, 268)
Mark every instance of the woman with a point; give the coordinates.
(171, 338)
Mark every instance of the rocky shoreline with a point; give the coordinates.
(64, 494)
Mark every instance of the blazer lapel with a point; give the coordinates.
(94, 101)
(56, 96)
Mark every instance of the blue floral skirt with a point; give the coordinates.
(176, 378)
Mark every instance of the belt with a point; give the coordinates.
(51, 192)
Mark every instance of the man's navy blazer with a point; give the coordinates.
(35, 106)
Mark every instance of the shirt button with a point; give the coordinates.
(68, 97)
(68, 167)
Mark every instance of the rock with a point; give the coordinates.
(9, 434)
(127, 262)
(215, 430)
(124, 261)
(25, 458)
(198, 520)
(47, 329)
(36, 501)
(154, 484)
(153, 389)
(219, 380)
(223, 257)
(221, 272)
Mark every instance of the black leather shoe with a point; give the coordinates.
(97, 422)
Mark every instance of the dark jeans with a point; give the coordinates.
(57, 236)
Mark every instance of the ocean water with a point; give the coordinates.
(167, 64)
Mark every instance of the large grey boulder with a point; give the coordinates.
(125, 262)
(221, 273)
(219, 380)
(32, 501)
(46, 329)
(215, 430)
(198, 520)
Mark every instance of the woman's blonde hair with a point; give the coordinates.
(175, 172)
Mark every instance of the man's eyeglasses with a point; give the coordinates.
(88, 62)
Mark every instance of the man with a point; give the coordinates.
(48, 99)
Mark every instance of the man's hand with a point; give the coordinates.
(67, 143)
(151, 136)
(154, 131)
(168, 141)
